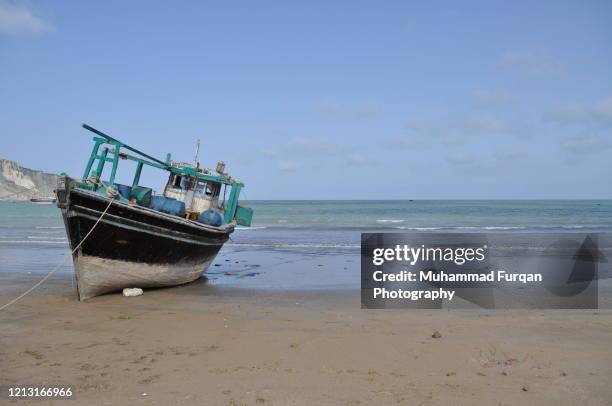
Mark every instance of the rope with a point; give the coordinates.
(58, 265)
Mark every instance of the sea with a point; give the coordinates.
(309, 244)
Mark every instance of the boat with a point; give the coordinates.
(125, 236)
(43, 200)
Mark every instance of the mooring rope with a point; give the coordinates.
(112, 197)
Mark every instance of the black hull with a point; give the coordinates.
(132, 246)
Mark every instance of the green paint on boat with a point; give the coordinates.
(109, 151)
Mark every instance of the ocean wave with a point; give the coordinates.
(389, 221)
(41, 237)
(419, 228)
(460, 228)
(32, 242)
(394, 226)
(504, 228)
(297, 245)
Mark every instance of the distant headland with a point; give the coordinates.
(19, 183)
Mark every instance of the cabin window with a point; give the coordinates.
(176, 182)
(180, 182)
(213, 189)
(200, 185)
(208, 188)
(185, 182)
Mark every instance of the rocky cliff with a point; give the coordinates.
(19, 183)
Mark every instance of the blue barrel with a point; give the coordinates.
(168, 205)
(211, 217)
(174, 207)
(157, 202)
(124, 190)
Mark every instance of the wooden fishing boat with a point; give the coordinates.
(127, 236)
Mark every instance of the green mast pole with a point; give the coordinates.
(111, 180)
(101, 162)
(137, 174)
(92, 157)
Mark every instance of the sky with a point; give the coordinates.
(321, 99)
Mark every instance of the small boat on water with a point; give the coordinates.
(142, 239)
(43, 200)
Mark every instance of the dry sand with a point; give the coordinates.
(207, 346)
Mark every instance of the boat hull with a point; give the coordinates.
(132, 246)
(96, 276)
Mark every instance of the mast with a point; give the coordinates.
(195, 160)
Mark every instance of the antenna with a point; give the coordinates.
(196, 163)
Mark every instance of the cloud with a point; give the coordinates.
(408, 142)
(16, 18)
(598, 114)
(354, 111)
(311, 146)
(492, 98)
(360, 160)
(481, 123)
(462, 129)
(287, 166)
(301, 146)
(425, 128)
(507, 155)
(459, 159)
(532, 63)
(302, 152)
(423, 134)
(465, 162)
(585, 144)
(268, 152)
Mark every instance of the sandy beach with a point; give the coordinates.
(322, 203)
(201, 344)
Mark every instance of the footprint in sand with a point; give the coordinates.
(34, 354)
(150, 379)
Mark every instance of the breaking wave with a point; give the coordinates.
(297, 245)
(32, 242)
(420, 228)
(389, 221)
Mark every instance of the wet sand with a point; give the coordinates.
(203, 344)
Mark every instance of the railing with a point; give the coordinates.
(142, 159)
